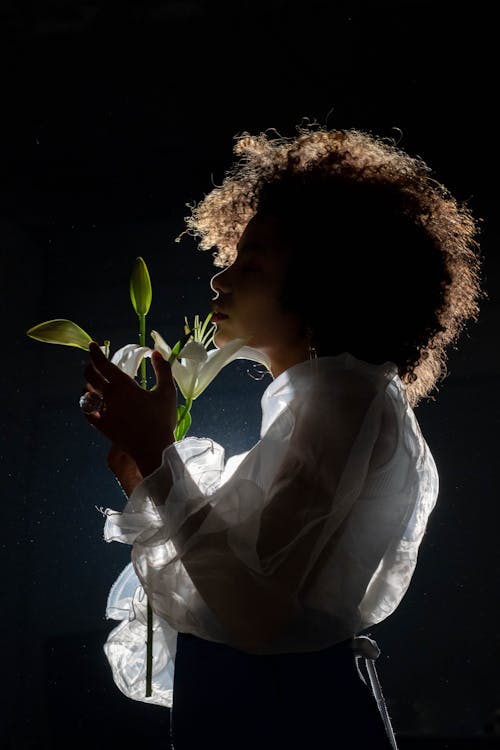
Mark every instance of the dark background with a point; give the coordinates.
(113, 116)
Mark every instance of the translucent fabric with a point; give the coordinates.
(302, 542)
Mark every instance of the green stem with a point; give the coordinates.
(182, 426)
(185, 407)
(142, 342)
(149, 642)
(149, 653)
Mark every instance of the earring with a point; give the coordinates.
(311, 347)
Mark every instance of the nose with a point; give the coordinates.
(218, 283)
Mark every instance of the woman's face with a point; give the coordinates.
(248, 297)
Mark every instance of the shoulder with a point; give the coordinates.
(343, 384)
(326, 390)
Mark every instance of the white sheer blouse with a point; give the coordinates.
(305, 540)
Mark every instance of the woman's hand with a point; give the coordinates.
(139, 422)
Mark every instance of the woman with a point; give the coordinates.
(351, 271)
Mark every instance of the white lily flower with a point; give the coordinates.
(196, 368)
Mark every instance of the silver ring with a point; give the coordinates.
(91, 403)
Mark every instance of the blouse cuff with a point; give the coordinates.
(191, 471)
(125, 646)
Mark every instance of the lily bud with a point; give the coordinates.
(141, 293)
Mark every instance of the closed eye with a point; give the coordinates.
(246, 265)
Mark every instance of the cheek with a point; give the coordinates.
(270, 321)
(292, 293)
(265, 307)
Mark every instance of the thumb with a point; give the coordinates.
(163, 372)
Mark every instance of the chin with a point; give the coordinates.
(220, 339)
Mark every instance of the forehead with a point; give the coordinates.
(263, 234)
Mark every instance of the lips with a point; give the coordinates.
(218, 316)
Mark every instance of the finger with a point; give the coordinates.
(93, 418)
(89, 388)
(94, 377)
(163, 372)
(103, 365)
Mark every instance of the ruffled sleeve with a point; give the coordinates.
(293, 546)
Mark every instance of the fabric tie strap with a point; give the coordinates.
(368, 649)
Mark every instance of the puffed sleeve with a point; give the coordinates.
(255, 570)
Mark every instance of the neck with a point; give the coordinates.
(284, 359)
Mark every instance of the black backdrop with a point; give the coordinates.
(113, 117)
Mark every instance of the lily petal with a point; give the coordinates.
(216, 360)
(129, 358)
(248, 352)
(161, 345)
(195, 352)
(185, 375)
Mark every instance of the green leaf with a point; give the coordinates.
(60, 331)
(183, 422)
(141, 293)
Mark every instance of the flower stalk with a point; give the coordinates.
(141, 295)
(194, 366)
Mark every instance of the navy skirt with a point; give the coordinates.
(226, 699)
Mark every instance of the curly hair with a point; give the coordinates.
(403, 252)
